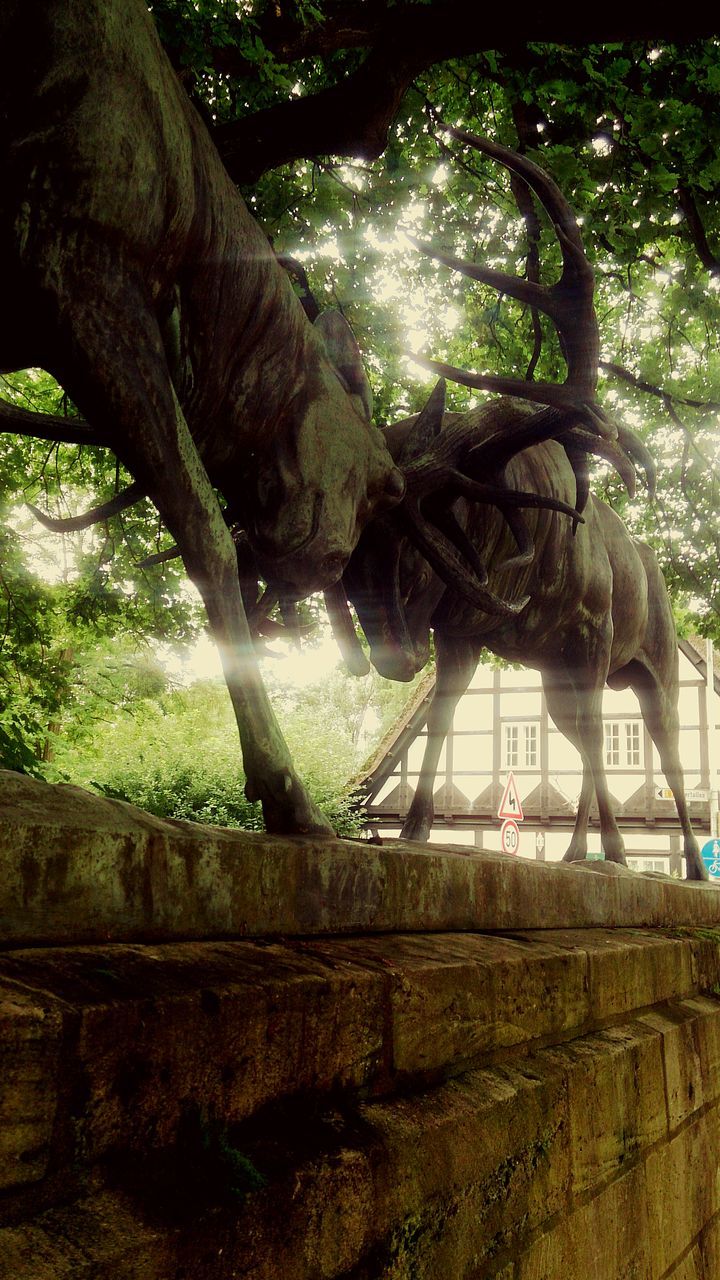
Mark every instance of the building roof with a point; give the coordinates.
(694, 649)
(404, 728)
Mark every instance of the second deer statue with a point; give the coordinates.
(584, 603)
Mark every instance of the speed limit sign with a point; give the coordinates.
(509, 836)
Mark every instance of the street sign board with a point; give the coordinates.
(510, 806)
(510, 836)
(696, 795)
(710, 854)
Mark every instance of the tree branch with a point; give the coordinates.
(669, 400)
(697, 231)
(350, 25)
(618, 371)
(349, 118)
(45, 426)
(352, 117)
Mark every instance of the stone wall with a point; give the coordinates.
(443, 1102)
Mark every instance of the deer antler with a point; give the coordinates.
(70, 524)
(343, 629)
(441, 464)
(568, 302)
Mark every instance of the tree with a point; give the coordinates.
(77, 614)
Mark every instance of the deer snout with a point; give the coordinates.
(395, 486)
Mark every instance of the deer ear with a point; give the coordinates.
(426, 426)
(345, 358)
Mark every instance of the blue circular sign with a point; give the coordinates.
(710, 854)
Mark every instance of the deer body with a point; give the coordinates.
(110, 179)
(597, 612)
(133, 272)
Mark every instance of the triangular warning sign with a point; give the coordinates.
(510, 806)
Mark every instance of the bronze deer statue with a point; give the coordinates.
(133, 272)
(589, 603)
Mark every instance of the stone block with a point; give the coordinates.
(427, 1186)
(605, 1238)
(76, 867)
(690, 1031)
(469, 1168)
(616, 1101)
(98, 1237)
(621, 980)
(458, 998)
(683, 1188)
(31, 1033)
(707, 958)
(224, 1028)
(706, 1010)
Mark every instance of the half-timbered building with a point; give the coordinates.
(501, 726)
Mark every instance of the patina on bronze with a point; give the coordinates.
(578, 599)
(133, 272)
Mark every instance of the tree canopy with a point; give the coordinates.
(329, 115)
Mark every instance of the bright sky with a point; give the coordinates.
(201, 662)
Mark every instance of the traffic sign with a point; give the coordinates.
(696, 795)
(710, 854)
(510, 836)
(510, 806)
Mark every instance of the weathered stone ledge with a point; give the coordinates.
(79, 868)
(544, 1106)
(144, 1031)
(227, 1054)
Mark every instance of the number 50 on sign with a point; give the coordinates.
(509, 836)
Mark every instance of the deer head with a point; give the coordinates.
(402, 567)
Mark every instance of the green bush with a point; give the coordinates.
(179, 757)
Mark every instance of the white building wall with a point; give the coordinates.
(520, 704)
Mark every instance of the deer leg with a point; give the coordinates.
(659, 711)
(456, 660)
(119, 375)
(562, 706)
(590, 733)
(577, 849)
(575, 696)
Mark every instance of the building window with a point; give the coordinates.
(612, 744)
(632, 742)
(649, 864)
(622, 744)
(520, 746)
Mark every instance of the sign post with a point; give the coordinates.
(510, 811)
